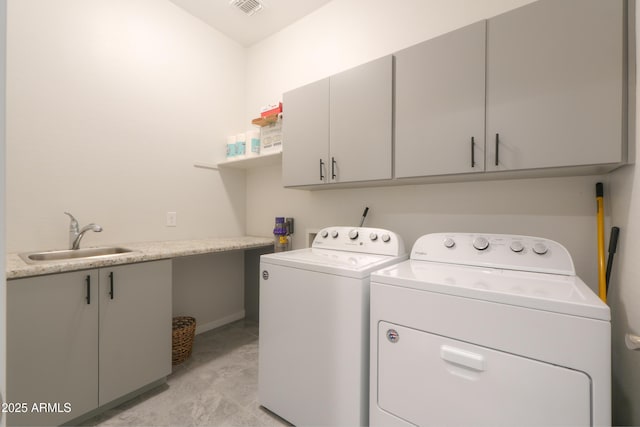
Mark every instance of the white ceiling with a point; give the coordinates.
(247, 30)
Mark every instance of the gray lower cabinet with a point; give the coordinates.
(439, 105)
(52, 347)
(135, 327)
(555, 85)
(339, 129)
(72, 348)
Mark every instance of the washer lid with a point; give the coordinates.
(350, 264)
(550, 292)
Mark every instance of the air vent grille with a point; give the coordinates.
(247, 6)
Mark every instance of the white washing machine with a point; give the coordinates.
(479, 329)
(314, 325)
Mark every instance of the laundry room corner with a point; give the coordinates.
(624, 293)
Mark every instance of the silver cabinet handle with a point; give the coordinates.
(632, 341)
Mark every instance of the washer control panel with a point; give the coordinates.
(507, 251)
(360, 239)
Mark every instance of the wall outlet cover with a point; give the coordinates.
(172, 219)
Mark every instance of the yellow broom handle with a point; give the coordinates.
(602, 271)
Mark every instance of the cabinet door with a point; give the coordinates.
(52, 346)
(439, 102)
(555, 85)
(360, 111)
(135, 327)
(305, 134)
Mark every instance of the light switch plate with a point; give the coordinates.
(172, 219)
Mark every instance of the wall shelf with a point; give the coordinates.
(204, 165)
(252, 162)
(243, 163)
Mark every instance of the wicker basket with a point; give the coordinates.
(184, 329)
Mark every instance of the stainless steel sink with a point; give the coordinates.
(71, 254)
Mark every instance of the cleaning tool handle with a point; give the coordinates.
(613, 240)
(602, 273)
(364, 215)
(613, 246)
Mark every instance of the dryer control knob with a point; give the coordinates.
(373, 237)
(353, 234)
(449, 242)
(540, 248)
(385, 237)
(334, 234)
(324, 234)
(480, 243)
(517, 246)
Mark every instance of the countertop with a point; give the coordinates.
(144, 251)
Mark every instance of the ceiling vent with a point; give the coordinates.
(247, 6)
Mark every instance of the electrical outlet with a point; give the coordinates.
(172, 219)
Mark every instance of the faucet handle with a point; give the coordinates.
(73, 226)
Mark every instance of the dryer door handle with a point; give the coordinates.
(463, 358)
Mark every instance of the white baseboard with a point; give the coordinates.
(219, 322)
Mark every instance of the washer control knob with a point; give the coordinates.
(385, 237)
(334, 234)
(480, 243)
(324, 234)
(517, 246)
(449, 243)
(540, 248)
(373, 237)
(353, 234)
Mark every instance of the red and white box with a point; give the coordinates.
(271, 109)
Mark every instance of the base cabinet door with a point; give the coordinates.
(52, 348)
(135, 327)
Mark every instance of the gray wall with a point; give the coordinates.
(210, 288)
(252, 282)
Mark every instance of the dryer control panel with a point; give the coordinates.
(506, 251)
(360, 239)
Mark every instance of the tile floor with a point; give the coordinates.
(216, 386)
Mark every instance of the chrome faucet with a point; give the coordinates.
(76, 234)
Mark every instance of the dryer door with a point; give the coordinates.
(429, 379)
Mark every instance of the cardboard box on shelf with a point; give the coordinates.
(271, 138)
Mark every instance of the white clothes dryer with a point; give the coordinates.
(314, 325)
(488, 330)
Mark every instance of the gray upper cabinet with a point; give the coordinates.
(305, 130)
(439, 102)
(361, 117)
(541, 89)
(339, 129)
(555, 85)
